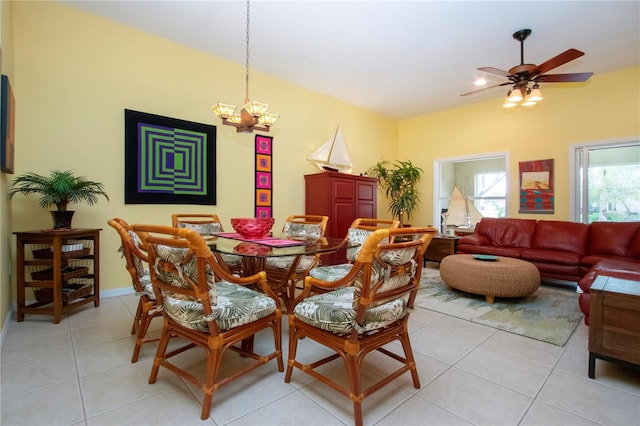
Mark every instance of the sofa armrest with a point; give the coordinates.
(475, 239)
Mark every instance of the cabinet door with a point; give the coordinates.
(365, 199)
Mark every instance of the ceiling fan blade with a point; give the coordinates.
(564, 78)
(494, 71)
(556, 61)
(486, 88)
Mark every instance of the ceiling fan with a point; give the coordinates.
(520, 75)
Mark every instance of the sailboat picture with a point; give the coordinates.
(333, 154)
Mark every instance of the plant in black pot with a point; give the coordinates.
(59, 188)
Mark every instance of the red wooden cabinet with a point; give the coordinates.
(343, 198)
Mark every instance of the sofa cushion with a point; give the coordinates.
(611, 238)
(551, 256)
(634, 248)
(563, 236)
(504, 232)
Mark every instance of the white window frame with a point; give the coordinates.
(576, 151)
(437, 171)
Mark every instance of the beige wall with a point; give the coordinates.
(74, 74)
(606, 108)
(6, 242)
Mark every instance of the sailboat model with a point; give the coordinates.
(333, 155)
(462, 212)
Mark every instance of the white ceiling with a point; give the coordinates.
(400, 58)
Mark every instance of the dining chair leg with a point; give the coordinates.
(210, 387)
(143, 327)
(293, 348)
(136, 318)
(162, 348)
(354, 377)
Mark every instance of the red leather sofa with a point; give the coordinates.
(562, 250)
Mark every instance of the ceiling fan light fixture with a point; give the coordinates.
(508, 104)
(514, 95)
(536, 94)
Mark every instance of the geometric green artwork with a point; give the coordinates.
(169, 161)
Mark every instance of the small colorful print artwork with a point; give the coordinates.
(536, 186)
(263, 197)
(263, 180)
(263, 212)
(263, 145)
(264, 176)
(263, 163)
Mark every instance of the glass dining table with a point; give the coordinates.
(255, 252)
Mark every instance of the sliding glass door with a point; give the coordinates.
(606, 182)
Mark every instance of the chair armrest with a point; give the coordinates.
(312, 284)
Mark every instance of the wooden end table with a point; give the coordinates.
(440, 247)
(614, 322)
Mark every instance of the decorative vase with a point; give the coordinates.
(62, 219)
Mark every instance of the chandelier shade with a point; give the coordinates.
(253, 115)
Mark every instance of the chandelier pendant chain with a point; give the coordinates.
(253, 115)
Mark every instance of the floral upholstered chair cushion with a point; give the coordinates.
(335, 311)
(232, 305)
(211, 228)
(141, 270)
(397, 269)
(303, 231)
(356, 238)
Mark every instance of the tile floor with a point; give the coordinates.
(78, 372)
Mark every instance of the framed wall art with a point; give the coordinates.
(7, 133)
(536, 186)
(168, 160)
(264, 181)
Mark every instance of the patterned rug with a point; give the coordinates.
(551, 314)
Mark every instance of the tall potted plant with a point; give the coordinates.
(60, 188)
(398, 181)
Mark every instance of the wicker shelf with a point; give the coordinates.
(48, 253)
(68, 272)
(76, 252)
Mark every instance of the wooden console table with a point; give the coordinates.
(614, 322)
(440, 247)
(61, 267)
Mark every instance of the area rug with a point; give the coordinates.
(550, 314)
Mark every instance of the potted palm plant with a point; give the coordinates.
(59, 188)
(398, 181)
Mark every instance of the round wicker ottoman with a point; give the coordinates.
(503, 277)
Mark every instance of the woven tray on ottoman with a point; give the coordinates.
(491, 277)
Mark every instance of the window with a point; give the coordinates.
(481, 179)
(605, 184)
(490, 193)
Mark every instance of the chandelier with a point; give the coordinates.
(522, 95)
(253, 115)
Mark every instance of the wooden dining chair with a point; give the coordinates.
(359, 230)
(136, 258)
(363, 312)
(283, 272)
(207, 225)
(206, 306)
